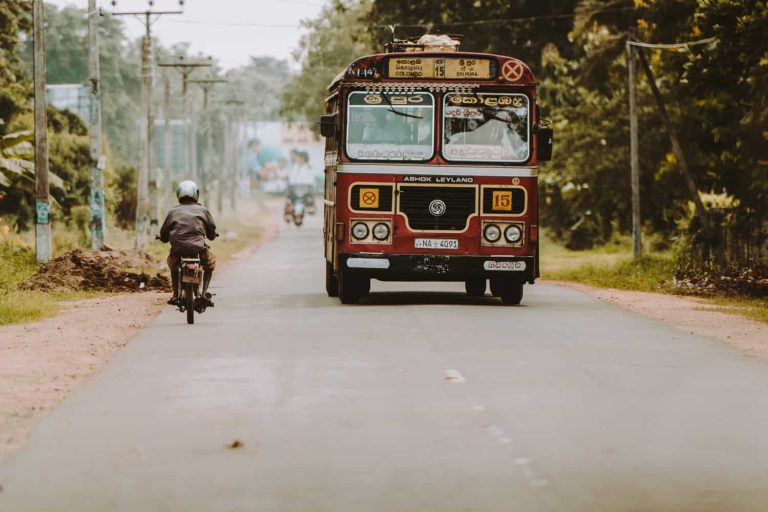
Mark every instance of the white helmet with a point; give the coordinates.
(187, 188)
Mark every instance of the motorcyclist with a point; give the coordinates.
(300, 176)
(186, 227)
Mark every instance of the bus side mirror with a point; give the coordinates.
(328, 125)
(545, 138)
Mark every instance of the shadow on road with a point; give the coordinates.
(427, 298)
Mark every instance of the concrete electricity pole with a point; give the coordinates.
(148, 17)
(186, 68)
(637, 243)
(97, 161)
(42, 197)
(233, 140)
(207, 84)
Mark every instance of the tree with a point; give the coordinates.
(336, 37)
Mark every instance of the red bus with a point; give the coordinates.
(431, 165)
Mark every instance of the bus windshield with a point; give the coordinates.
(486, 127)
(390, 126)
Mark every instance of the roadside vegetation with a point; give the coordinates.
(734, 290)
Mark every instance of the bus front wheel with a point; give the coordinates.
(352, 288)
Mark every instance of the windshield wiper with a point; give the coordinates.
(395, 111)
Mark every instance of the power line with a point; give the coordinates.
(415, 25)
(232, 24)
(671, 46)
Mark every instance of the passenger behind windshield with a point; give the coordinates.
(486, 128)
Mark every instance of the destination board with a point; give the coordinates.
(440, 68)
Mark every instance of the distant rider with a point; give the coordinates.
(300, 177)
(186, 227)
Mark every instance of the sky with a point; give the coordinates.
(229, 30)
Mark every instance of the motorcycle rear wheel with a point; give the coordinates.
(189, 297)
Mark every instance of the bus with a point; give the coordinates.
(431, 170)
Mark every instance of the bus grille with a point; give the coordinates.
(460, 203)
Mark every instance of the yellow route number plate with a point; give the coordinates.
(502, 200)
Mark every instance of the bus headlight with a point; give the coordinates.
(492, 233)
(360, 230)
(513, 233)
(381, 231)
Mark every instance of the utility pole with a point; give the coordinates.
(233, 151)
(42, 197)
(186, 68)
(636, 49)
(637, 243)
(143, 191)
(97, 161)
(167, 143)
(206, 85)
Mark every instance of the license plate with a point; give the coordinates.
(436, 243)
(509, 266)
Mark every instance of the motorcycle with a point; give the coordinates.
(191, 274)
(295, 206)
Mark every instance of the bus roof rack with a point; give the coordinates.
(426, 43)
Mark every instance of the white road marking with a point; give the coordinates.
(454, 376)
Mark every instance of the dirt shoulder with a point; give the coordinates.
(42, 362)
(694, 315)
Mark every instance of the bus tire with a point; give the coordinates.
(512, 294)
(352, 288)
(331, 283)
(475, 287)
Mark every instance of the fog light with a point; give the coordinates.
(360, 230)
(513, 233)
(492, 233)
(381, 231)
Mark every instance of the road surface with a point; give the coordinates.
(418, 400)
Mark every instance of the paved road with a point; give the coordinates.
(413, 401)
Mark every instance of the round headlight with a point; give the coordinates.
(380, 231)
(513, 234)
(492, 233)
(360, 230)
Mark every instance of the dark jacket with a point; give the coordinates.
(186, 227)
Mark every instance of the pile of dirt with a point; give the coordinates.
(104, 270)
(709, 279)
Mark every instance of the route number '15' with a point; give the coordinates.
(502, 200)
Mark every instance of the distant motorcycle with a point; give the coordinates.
(300, 201)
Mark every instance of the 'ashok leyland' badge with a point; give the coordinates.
(437, 207)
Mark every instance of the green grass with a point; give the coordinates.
(15, 305)
(19, 306)
(608, 266)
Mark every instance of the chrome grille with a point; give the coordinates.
(460, 203)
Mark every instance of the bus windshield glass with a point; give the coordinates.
(390, 126)
(486, 127)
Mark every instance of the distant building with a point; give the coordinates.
(73, 97)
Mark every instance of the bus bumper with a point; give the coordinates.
(438, 267)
